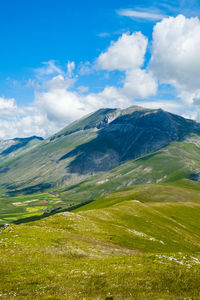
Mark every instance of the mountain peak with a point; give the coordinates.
(131, 133)
(96, 143)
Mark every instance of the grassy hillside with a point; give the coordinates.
(174, 165)
(124, 249)
(12, 147)
(39, 168)
(19, 207)
(155, 193)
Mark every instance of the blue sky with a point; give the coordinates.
(33, 32)
(64, 41)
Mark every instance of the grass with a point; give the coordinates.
(147, 193)
(122, 249)
(22, 208)
(13, 208)
(120, 277)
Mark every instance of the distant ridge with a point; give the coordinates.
(12, 145)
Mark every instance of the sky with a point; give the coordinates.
(60, 60)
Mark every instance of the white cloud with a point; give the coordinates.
(8, 108)
(86, 68)
(147, 15)
(26, 125)
(176, 54)
(139, 84)
(20, 121)
(128, 54)
(60, 105)
(48, 68)
(124, 54)
(70, 68)
(57, 103)
(63, 106)
(175, 60)
(7, 103)
(83, 89)
(58, 82)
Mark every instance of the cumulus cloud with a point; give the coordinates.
(8, 108)
(26, 125)
(57, 102)
(139, 84)
(175, 60)
(7, 104)
(19, 121)
(128, 54)
(124, 54)
(176, 54)
(63, 106)
(60, 105)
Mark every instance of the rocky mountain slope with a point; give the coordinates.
(94, 144)
(133, 133)
(12, 147)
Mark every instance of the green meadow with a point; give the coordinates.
(140, 243)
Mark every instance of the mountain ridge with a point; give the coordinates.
(94, 144)
(12, 147)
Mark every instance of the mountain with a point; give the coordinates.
(133, 133)
(92, 145)
(71, 168)
(178, 163)
(12, 147)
